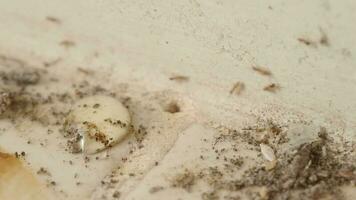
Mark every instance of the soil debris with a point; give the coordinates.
(5, 101)
(237, 88)
(307, 42)
(273, 87)
(14, 104)
(262, 70)
(25, 77)
(43, 171)
(210, 196)
(305, 174)
(52, 62)
(67, 43)
(140, 133)
(116, 195)
(18, 73)
(184, 180)
(85, 71)
(312, 169)
(53, 19)
(324, 39)
(11, 62)
(179, 78)
(156, 189)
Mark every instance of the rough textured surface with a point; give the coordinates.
(192, 74)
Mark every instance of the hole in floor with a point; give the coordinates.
(172, 107)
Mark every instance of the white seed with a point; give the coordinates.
(267, 152)
(96, 123)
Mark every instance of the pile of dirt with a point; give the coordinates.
(315, 169)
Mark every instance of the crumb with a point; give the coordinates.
(262, 70)
(273, 87)
(237, 88)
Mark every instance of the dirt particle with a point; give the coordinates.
(273, 87)
(210, 196)
(52, 183)
(85, 71)
(184, 180)
(67, 43)
(52, 62)
(262, 70)
(74, 142)
(5, 101)
(43, 171)
(237, 88)
(179, 78)
(53, 19)
(307, 42)
(116, 195)
(23, 77)
(156, 189)
(324, 39)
